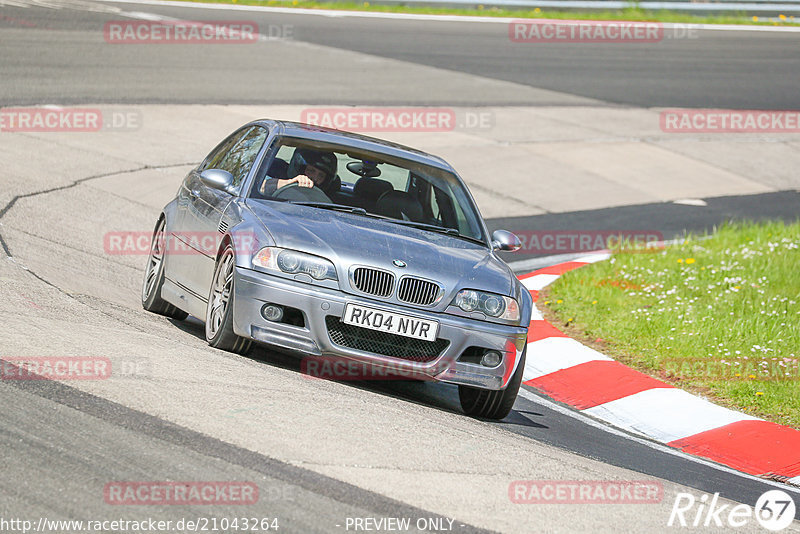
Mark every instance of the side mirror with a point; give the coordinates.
(217, 179)
(505, 241)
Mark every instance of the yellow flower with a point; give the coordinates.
(546, 302)
(702, 268)
(755, 19)
(594, 302)
(759, 393)
(782, 17)
(738, 374)
(537, 10)
(690, 260)
(680, 260)
(737, 287)
(559, 301)
(751, 376)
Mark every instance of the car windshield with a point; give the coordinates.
(373, 184)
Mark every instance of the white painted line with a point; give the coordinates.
(331, 13)
(589, 421)
(536, 315)
(539, 281)
(677, 5)
(594, 257)
(665, 414)
(691, 202)
(14, 3)
(795, 481)
(540, 262)
(434, 18)
(555, 353)
(140, 15)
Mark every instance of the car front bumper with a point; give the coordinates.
(254, 289)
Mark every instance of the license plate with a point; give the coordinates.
(392, 323)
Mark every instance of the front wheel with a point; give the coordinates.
(489, 404)
(219, 310)
(154, 277)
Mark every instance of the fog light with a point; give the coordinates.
(272, 312)
(491, 359)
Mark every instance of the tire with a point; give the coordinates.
(154, 278)
(490, 404)
(219, 310)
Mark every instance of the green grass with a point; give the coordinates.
(632, 13)
(718, 315)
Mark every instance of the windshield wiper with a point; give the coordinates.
(438, 229)
(330, 206)
(426, 226)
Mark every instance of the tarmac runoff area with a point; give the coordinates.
(62, 294)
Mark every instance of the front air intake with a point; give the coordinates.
(373, 281)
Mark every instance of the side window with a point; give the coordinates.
(435, 211)
(285, 153)
(215, 157)
(396, 176)
(239, 159)
(447, 212)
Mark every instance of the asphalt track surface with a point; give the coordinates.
(714, 69)
(58, 439)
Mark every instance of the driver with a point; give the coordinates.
(309, 168)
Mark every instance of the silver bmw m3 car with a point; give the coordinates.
(336, 245)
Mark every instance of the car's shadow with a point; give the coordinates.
(431, 394)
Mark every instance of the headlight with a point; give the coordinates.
(293, 262)
(489, 304)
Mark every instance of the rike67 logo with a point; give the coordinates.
(774, 510)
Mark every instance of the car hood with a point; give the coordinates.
(349, 239)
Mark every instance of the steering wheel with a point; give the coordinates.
(308, 194)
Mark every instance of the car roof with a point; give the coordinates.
(354, 140)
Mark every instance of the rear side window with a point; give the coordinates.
(238, 153)
(213, 160)
(239, 159)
